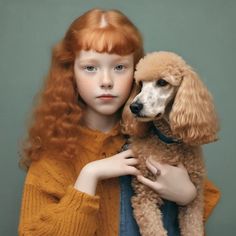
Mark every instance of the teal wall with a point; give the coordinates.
(202, 31)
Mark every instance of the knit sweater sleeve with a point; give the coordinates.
(211, 198)
(52, 206)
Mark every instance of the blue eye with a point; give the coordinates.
(90, 68)
(120, 67)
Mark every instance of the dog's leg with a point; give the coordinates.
(148, 217)
(146, 212)
(191, 217)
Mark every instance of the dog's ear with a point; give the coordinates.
(129, 124)
(193, 118)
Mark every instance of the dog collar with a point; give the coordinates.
(163, 138)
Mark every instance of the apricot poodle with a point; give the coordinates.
(169, 114)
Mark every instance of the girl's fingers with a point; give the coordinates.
(153, 185)
(157, 164)
(152, 168)
(128, 153)
(131, 161)
(133, 171)
(181, 166)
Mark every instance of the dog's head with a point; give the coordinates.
(167, 86)
(159, 76)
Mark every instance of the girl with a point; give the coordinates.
(72, 150)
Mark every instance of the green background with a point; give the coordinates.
(202, 31)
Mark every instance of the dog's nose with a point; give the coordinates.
(136, 107)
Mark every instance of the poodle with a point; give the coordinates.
(169, 114)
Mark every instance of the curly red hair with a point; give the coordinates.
(54, 127)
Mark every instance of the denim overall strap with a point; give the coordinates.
(128, 225)
(170, 218)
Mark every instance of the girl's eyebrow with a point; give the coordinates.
(89, 60)
(123, 60)
(92, 60)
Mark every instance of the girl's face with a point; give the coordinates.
(103, 80)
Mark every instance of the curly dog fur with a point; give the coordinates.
(169, 97)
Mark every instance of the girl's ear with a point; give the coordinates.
(193, 118)
(130, 125)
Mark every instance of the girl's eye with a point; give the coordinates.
(90, 68)
(161, 83)
(120, 67)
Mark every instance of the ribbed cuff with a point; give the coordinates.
(80, 201)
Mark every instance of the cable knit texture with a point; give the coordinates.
(52, 206)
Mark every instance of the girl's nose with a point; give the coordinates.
(106, 80)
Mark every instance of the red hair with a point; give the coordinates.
(55, 119)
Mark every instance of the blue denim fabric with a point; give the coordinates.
(128, 225)
(170, 218)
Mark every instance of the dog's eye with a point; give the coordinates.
(161, 83)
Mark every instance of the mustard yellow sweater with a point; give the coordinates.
(52, 206)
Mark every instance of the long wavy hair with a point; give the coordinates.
(54, 123)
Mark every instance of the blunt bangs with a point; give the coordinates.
(109, 40)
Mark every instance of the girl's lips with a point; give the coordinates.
(106, 97)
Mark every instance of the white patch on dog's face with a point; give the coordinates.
(154, 97)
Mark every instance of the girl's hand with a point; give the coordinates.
(120, 164)
(172, 183)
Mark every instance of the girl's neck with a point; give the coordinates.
(96, 121)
